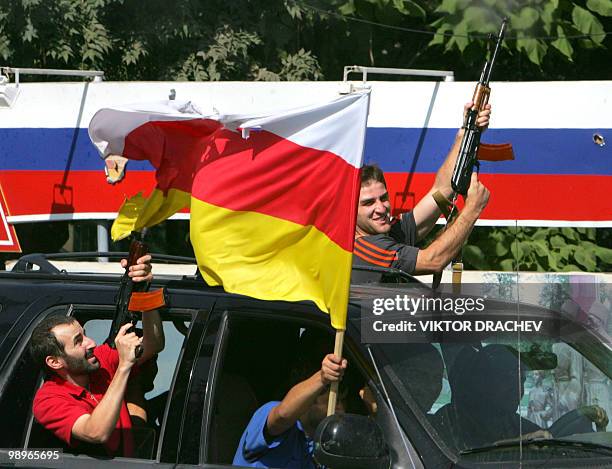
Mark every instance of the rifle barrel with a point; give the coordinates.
(500, 38)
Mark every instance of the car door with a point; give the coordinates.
(19, 382)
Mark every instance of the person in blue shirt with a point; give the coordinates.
(279, 433)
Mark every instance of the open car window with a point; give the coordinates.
(148, 388)
(260, 360)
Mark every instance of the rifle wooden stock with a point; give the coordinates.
(123, 314)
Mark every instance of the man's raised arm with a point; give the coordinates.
(426, 211)
(98, 426)
(444, 248)
(153, 340)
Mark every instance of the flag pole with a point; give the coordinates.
(333, 390)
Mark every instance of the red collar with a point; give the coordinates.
(74, 389)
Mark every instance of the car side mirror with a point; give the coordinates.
(351, 441)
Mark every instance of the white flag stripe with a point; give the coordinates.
(338, 126)
(109, 127)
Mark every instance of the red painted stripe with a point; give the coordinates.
(174, 147)
(373, 247)
(42, 192)
(357, 252)
(573, 198)
(520, 196)
(273, 176)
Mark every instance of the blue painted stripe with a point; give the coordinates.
(537, 151)
(52, 150)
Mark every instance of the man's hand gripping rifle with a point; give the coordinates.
(133, 296)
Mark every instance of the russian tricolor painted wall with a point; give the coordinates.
(50, 170)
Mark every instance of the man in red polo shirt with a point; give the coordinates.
(82, 399)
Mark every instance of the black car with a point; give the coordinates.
(227, 354)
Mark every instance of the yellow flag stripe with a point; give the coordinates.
(140, 212)
(269, 258)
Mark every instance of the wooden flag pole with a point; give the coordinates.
(333, 390)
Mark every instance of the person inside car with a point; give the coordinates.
(279, 433)
(82, 399)
(487, 386)
(421, 369)
(381, 240)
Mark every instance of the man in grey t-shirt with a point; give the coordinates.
(386, 242)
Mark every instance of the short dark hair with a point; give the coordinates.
(372, 172)
(313, 346)
(43, 342)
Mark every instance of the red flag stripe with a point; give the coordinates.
(172, 146)
(276, 177)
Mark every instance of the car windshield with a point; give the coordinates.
(497, 389)
(476, 395)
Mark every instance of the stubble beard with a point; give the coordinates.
(80, 366)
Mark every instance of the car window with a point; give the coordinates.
(148, 389)
(257, 364)
(475, 395)
(20, 381)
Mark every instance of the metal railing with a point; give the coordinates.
(96, 75)
(365, 71)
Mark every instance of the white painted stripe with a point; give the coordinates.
(185, 216)
(541, 223)
(9, 241)
(16, 219)
(577, 104)
(520, 105)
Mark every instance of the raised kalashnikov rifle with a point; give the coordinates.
(467, 159)
(133, 297)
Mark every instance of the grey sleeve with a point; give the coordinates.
(406, 259)
(408, 225)
(404, 234)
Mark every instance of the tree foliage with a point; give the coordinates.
(540, 249)
(159, 40)
(304, 39)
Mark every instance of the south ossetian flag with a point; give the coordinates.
(273, 198)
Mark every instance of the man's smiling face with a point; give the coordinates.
(374, 209)
(78, 356)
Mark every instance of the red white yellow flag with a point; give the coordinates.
(273, 199)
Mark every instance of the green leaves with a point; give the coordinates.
(538, 249)
(526, 18)
(29, 33)
(548, 15)
(133, 53)
(409, 7)
(475, 256)
(587, 23)
(300, 66)
(563, 45)
(158, 39)
(602, 7)
(534, 48)
(531, 22)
